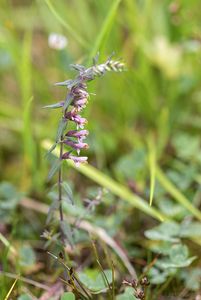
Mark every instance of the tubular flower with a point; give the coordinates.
(76, 159)
(74, 138)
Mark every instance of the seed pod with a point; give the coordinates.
(140, 294)
(144, 281)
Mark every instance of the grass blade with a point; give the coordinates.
(174, 192)
(11, 289)
(105, 29)
(152, 167)
(65, 24)
(116, 188)
(7, 244)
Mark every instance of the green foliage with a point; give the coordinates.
(127, 295)
(24, 297)
(55, 167)
(27, 256)
(9, 198)
(95, 281)
(144, 142)
(68, 296)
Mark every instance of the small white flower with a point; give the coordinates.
(57, 41)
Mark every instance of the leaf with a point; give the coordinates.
(9, 198)
(68, 296)
(105, 29)
(127, 295)
(192, 229)
(172, 209)
(158, 277)
(94, 281)
(61, 128)
(67, 232)
(175, 192)
(55, 105)
(167, 231)
(55, 167)
(68, 192)
(24, 297)
(50, 150)
(192, 279)
(152, 167)
(182, 264)
(78, 67)
(53, 207)
(178, 258)
(11, 289)
(27, 256)
(68, 101)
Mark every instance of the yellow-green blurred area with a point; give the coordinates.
(144, 126)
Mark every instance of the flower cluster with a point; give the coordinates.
(76, 100)
(74, 139)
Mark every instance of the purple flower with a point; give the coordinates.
(77, 159)
(72, 115)
(78, 134)
(80, 91)
(79, 121)
(77, 146)
(80, 103)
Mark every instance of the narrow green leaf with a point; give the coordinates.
(152, 167)
(174, 192)
(55, 105)
(61, 128)
(50, 150)
(53, 207)
(29, 144)
(55, 167)
(11, 289)
(68, 101)
(105, 29)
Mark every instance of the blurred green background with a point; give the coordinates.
(145, 117)
(159, 42)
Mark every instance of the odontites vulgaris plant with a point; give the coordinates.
(71, 142)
